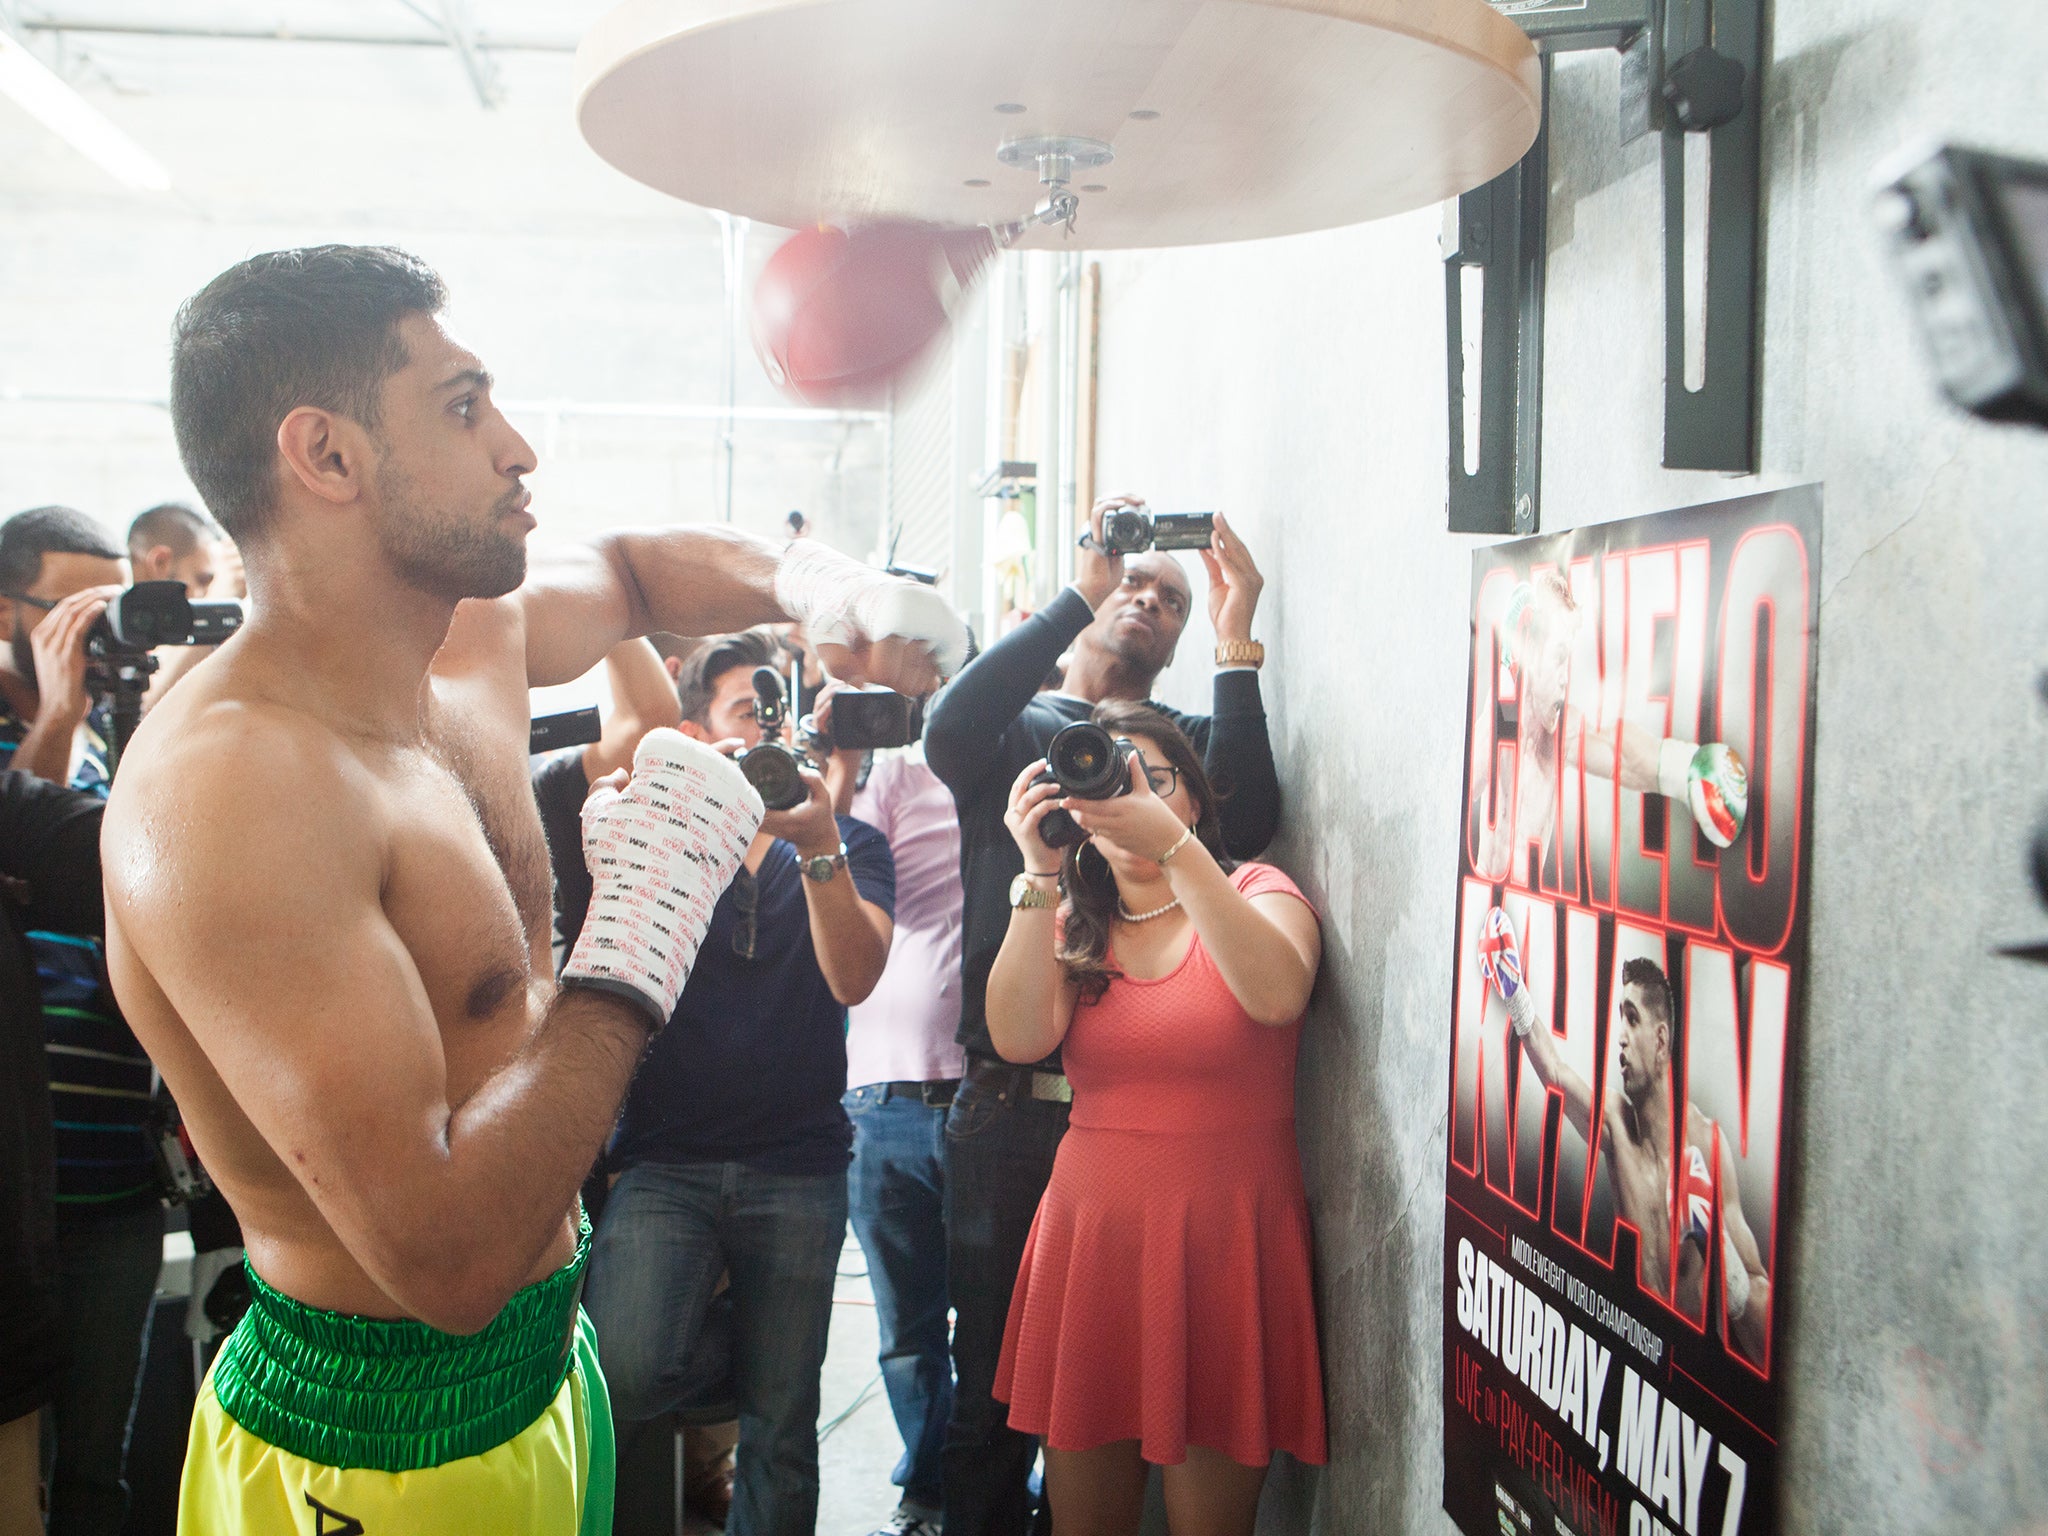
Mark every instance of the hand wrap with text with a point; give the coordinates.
(660, 852)
(839, 601)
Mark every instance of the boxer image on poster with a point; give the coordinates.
(1538, 634)
(1669, 1203)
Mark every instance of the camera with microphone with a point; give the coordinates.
(773, 768)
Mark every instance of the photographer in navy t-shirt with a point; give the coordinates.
(733, 1147)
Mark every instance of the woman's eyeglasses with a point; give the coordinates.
(1164, 781)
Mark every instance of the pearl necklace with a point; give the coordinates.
(1129, 916)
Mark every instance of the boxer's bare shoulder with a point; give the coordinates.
(326, 937)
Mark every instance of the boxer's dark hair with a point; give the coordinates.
(28, 536)
(750, 648)
(316, 326)
(1649, 975)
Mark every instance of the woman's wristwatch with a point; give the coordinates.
(1024, 895)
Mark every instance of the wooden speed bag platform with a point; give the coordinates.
(1119, 122)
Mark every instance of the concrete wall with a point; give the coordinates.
(1299, 386)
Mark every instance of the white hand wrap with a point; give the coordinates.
(1521, 1012)
(1735, 1279)
(1674, 766)
(660, 852)
(839, 601)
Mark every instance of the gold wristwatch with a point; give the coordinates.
(1240, 653)
(1024, 894)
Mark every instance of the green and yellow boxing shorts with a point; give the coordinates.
(323, 1425)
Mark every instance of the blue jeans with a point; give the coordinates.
(999, 1152)
(669, 1232)
(110, 1261)
(896, 1192)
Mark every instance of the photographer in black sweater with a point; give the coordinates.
(1123, 617)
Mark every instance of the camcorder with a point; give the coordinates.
(1133, 530)
(1969, 234)
(119, 646)
(570, 728)
(864, 718)
(154, 613)
(775, 770)
(1087, 763)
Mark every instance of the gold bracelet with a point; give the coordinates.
(1240, 653)
(1176, 848)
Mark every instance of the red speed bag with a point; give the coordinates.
(841, 314)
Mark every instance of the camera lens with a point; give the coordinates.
(1125, 532)
(1086, 760)
(772, 770)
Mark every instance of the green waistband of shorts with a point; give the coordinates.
(395, 1395)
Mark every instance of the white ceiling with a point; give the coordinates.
(261, 110)
(584, 290)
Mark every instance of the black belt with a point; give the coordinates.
(935, 1095)
(1006, 1081)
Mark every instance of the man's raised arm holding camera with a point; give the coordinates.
(1123, 617)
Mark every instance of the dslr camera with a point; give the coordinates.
(1089, 764)
(1133, 530)
(775, 770)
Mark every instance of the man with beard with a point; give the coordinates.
(1667, 1203)
(1123, 617)
(1538, 634)
(58, 570)
(328, 903)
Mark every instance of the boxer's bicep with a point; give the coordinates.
(578, 602)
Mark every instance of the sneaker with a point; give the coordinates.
(908, 1522)
(709, 1495)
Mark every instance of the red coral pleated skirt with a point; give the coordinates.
(1166, 1296)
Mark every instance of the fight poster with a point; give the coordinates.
(1630, 971)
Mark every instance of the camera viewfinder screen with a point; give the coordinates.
(2026, 205)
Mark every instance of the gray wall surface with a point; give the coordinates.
(1299, 385)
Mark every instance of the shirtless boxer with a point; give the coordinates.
(328, 903)
(1538, 634)
(1635, 1139)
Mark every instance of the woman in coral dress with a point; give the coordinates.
(1164, 1312)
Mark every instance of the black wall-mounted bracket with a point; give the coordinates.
(1688, 67)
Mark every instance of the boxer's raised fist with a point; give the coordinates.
(1712, 783)
(862, 613)
(660, 851)
(1500, 962)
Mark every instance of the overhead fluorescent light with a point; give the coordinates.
(31, 86)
